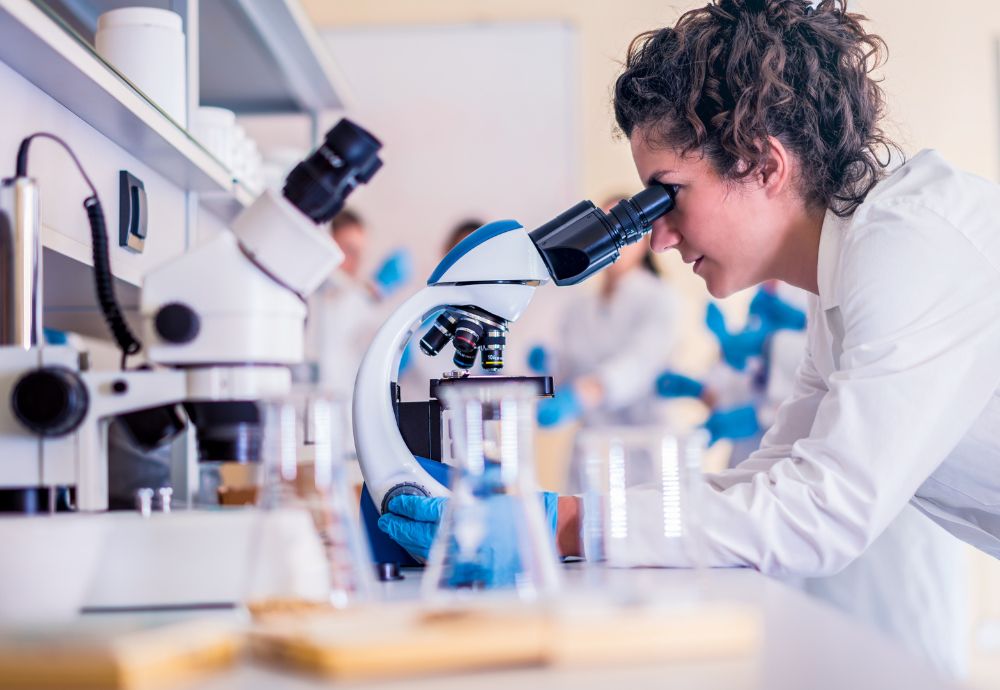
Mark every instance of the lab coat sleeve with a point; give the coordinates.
(629, 375)
(793, 421)
(916, 365)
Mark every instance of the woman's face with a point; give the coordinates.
(729, 232)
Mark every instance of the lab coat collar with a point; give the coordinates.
(828, 267)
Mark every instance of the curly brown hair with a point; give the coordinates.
(730, 74)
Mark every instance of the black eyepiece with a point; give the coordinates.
(585, 239)
(319, 185)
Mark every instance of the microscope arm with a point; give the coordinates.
(387, 464)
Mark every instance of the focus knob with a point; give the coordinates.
(177, 323)
(51, 401)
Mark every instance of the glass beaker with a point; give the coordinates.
(641, 496)
(493, 534)
(309, 544)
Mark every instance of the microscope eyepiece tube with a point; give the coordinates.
(583, 240)
(347, 158)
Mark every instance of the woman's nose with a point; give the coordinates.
(663, 236)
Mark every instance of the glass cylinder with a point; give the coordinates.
(309, 544)
(640, 499)
(494, 534)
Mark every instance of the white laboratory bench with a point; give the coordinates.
(805, 646)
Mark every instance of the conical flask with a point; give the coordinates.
(305, 498)
(493, 534)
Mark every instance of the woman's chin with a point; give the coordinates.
(719, 289)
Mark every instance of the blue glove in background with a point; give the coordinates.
(394, 271)
(736, 348)
(538, 360)
(54, 337)
(775, 313)
(734, 424)
(561, 408)
(413, 522)
(671, 385)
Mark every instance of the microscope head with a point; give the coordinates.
(231, 313)
(489, 261)
(568, 249)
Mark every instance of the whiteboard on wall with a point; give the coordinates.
(476, 121)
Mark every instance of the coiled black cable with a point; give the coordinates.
(103, 280)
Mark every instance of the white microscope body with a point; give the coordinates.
(487, 280)
(496, 269)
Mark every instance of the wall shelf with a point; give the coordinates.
(33, 44)
(255, 56)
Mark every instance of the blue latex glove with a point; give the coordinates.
(54, 337)
(394, 271)
(413, 521)
(671, 385)
(561, 408)
(538, 360)
(775, 313)
(736, 348)
(735, 423)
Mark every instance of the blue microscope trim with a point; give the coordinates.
(483, 234)
(384, 549)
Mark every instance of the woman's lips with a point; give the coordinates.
(697, 263)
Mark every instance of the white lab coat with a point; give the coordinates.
(910, 583)
(897, 399)
(343, 319)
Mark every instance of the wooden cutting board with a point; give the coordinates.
(398, 641)
(104, 654)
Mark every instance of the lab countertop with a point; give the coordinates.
(805, 644)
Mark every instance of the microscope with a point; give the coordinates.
(480, 287)
(221, 326)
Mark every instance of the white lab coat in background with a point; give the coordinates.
(343, 318)
(897, 399)
(626, 342)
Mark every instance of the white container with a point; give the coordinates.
(215, 129)
(147, 46)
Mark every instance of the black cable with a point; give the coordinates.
(103, 280)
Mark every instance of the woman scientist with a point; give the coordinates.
(764, 115)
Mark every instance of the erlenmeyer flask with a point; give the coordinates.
(305, 497)
(493, 534)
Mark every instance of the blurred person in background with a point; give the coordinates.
(344, 312)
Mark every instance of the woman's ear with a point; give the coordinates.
(775, 173)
